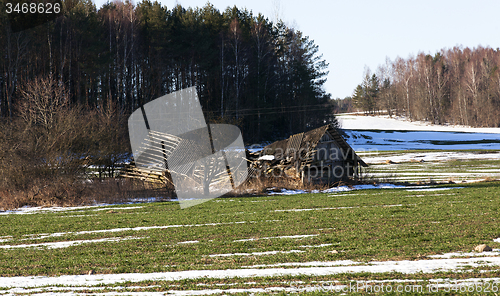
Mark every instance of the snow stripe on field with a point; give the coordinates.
(39, 210)
(415, 286)
(337, 189)
(405, 266)
(412, 173)
(429, 157)
(316, 246)
(15, 291)
(273, 237)
(58, 234)
(257, 253)
(66, 244)
(122, 208)
(293, 287)
(434, 189)
(188, 242)
(495, 252)
(314, 209)
(340, 208)
(308, 264)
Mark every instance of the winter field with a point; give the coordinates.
(347, 240)
(402, 151)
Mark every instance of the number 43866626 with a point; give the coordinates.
(33, 7)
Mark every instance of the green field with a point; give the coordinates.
(456, 171)
(237, 233)
(456, 166)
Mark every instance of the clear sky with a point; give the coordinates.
(354, 34)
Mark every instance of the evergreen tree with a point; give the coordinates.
(265, 77)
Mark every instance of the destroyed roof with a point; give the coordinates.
(304, 144)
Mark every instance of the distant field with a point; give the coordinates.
(412, 140)
(433, 166)
(382, 133)
(271, 243)
(403, 151)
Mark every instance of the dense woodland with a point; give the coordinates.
(67, 87)
(455, 86)
(263, 76)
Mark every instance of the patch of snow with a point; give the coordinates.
(477, 181)
(497, 240)
(4, 239)
(338, 208)
(36, 210)
(121, 208)
(274, 237)
(288, 192)
(316, 246)
(461, 174)
(257, 253)
(495, 252)
(66, 244)
(16, 291)
(334, 287)
(314, 209)
(188, 242)
(430, 157)
(361, 187)
(404, 266)
(338, 189)
(58, 234)
(266, 157)
(346, 194)
(434, 189)
(77, 216)
(308, 264)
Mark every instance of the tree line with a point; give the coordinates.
(266, 77)
(67, 87)
(456, 86)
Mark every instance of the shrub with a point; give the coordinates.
(48, 150)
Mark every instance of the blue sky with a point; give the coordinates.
(353, 35)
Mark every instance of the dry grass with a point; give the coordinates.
(88, 192)
(262, 184)
(489, 179)
(46, 150)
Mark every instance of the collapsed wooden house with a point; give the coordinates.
(319, 156)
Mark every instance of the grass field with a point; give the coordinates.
(396, 166)
(269, 244)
